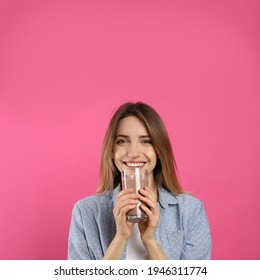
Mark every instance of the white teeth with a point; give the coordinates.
(134, 164)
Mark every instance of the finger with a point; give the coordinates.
(145, 208)
(127, 193)
(123, 203)
(148, 199)
(122, 211)
(152, 215)
(147, 192)
(125, 200)
(130, 201)
(151, 208)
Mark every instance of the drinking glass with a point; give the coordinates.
(135, 179)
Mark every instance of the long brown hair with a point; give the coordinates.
(165, 172)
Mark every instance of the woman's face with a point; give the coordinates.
(133, 147)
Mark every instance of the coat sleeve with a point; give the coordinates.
(198, 241)
(77, 244)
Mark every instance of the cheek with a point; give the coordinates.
(116, 154)
(153, 158)
(152, 155)
(116, 159)
(154, 164)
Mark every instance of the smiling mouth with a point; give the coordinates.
(135, 164)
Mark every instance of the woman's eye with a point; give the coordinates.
(121, 141)
(147, 141)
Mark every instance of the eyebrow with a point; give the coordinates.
(126, 136)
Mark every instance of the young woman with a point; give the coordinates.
(177, 226)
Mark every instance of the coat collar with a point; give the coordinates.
(166, 198)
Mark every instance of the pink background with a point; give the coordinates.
(65, 66)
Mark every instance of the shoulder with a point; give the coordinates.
(188, 201)
(192, 211)
(94, 203)
(184, 201)
(189, 204)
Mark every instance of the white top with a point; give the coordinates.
(135, 249)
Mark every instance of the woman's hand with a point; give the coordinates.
(149, 206)
(148, 228)
(126, 200)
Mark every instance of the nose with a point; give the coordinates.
(132, 151)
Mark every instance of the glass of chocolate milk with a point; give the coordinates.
(135, 179)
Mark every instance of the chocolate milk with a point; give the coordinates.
(135, 179)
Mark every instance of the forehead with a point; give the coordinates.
(131, 126)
